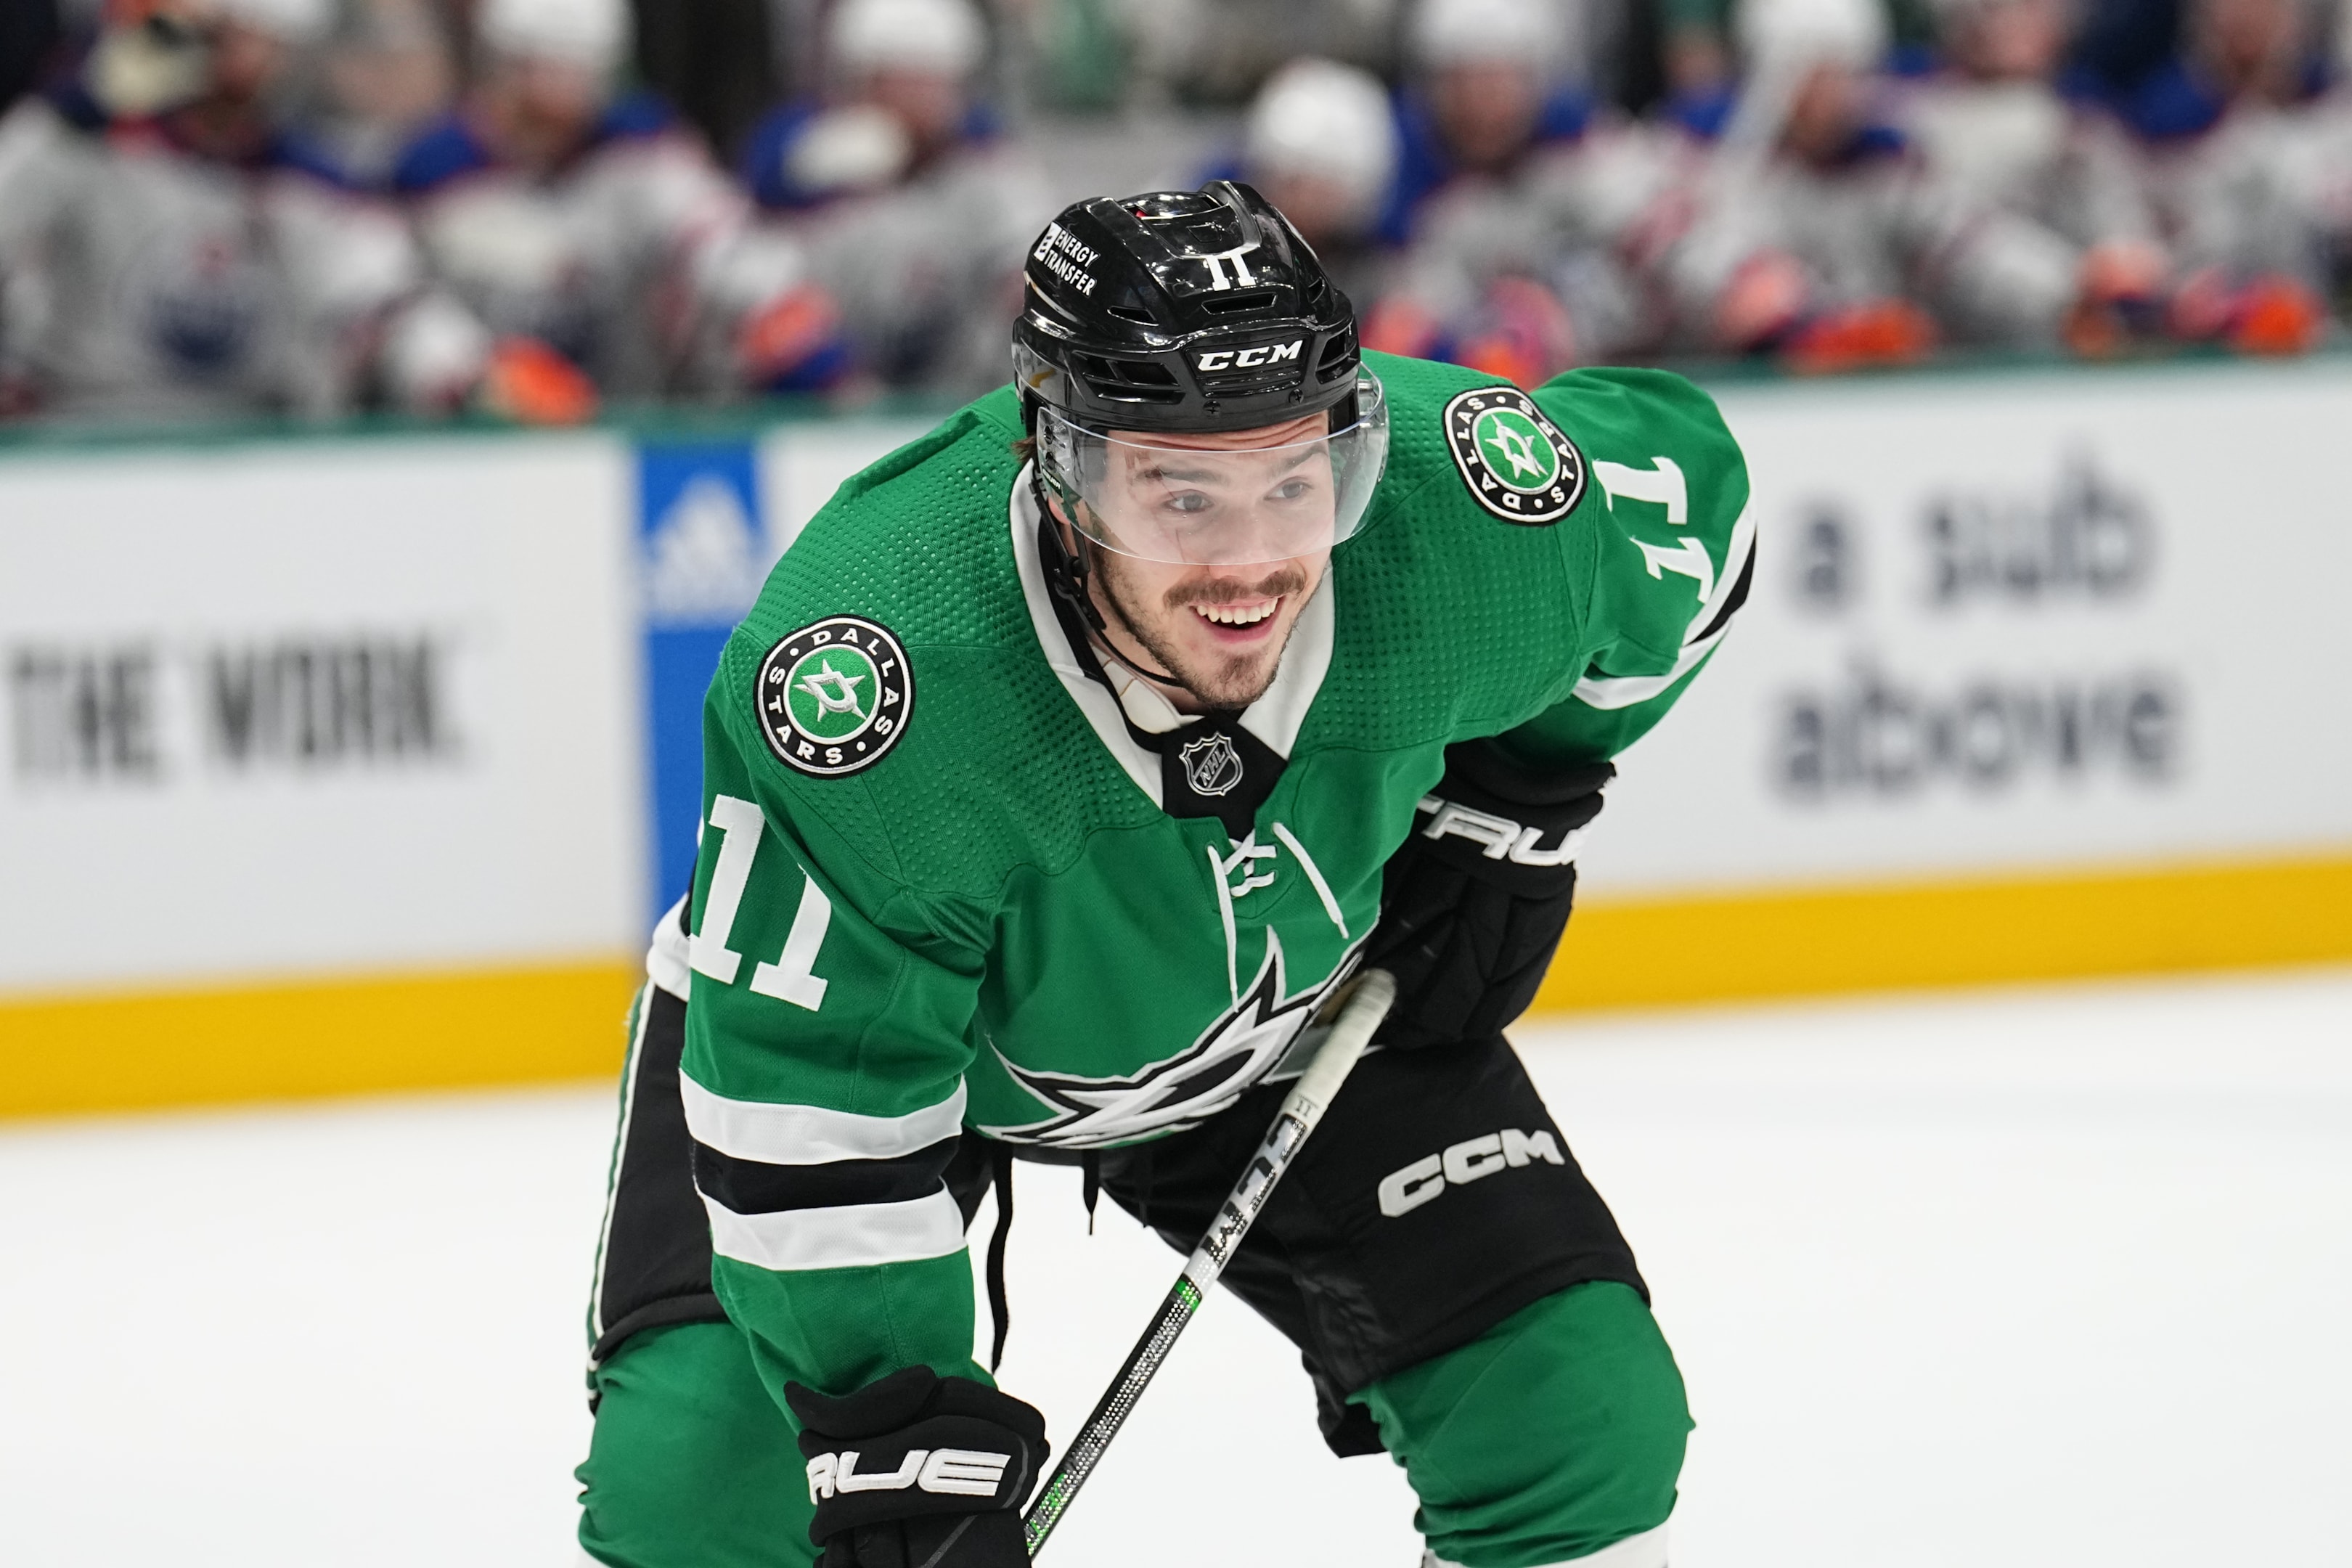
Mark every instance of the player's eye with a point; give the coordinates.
(1189, 502)
(1292, 489)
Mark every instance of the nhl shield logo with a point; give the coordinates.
(833, 697)
(1211, 766)
(1518, 464)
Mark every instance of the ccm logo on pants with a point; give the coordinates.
(951, 1472)
(1401, 1191)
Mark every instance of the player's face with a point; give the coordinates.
(1230, 497)
(1325, 212)
(1262, 495)
(2247, 38)
(929, 104)
(1219, 630)
(1823, 112)
(245, 61)
(1486, 112)
(2014, 40)
(539, 110)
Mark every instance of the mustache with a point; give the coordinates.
(1288, 580)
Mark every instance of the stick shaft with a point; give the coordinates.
(1302, 1107)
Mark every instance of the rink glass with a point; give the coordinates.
(1161, 500)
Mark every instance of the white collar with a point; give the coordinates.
(1274, 718)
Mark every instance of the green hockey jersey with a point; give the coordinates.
(938, 885)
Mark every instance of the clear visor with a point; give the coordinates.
(1201, 501)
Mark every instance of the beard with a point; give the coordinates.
(1222, 681)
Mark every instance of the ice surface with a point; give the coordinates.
(2048, 1277)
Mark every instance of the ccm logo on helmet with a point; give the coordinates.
(1401, 1191)
(1250, 359)
(950, 1472)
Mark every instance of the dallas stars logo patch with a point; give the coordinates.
(1518, 463)
(834, 696)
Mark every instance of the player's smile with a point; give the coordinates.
(1237, 624)
(1220, 630)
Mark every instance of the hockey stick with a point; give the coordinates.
(1368, 1003)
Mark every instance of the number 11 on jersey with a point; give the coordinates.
(792, 977)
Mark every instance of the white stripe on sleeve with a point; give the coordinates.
(1612, 691)
(809, 1134)
(1624, 690)
(851, 1235)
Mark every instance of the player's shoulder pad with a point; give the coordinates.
(1666, 515)
(1423, 398)
(910, 558)
(1650, 436)
(1525, 459)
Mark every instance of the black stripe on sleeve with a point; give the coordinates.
(1737, 596)
(656, 1262)
(750, 1186)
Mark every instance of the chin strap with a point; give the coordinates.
(1066, 575)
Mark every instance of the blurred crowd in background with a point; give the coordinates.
(536, 208)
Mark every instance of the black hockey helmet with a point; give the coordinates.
(1182, 311)
(1156, 322)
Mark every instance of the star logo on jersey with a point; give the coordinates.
(1514, 437)
(1518, 464)
(1246, 1042)
(833, 697)
(834, 692)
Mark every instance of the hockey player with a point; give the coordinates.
(387, 72)
(1526, 277)
(914, 209)
(2251, 169)
(1321, 145)
(1071, 758)
(1819, 234)
(601, 226)
(1994, 127)
(903, 72)
(1497, 274)
(168, 250)
(1484, 101)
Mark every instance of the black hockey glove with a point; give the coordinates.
(1474, 901)
(918, 1471)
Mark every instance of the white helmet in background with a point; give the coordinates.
(1841, 32)
(1486, 32)
(1782, 42)
(135, 71)
(591, 34)
(942, 36)
(1320, 118)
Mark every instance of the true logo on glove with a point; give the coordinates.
(1518, 464)
(833, 697)
(1502, 837)
(948, 1472)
